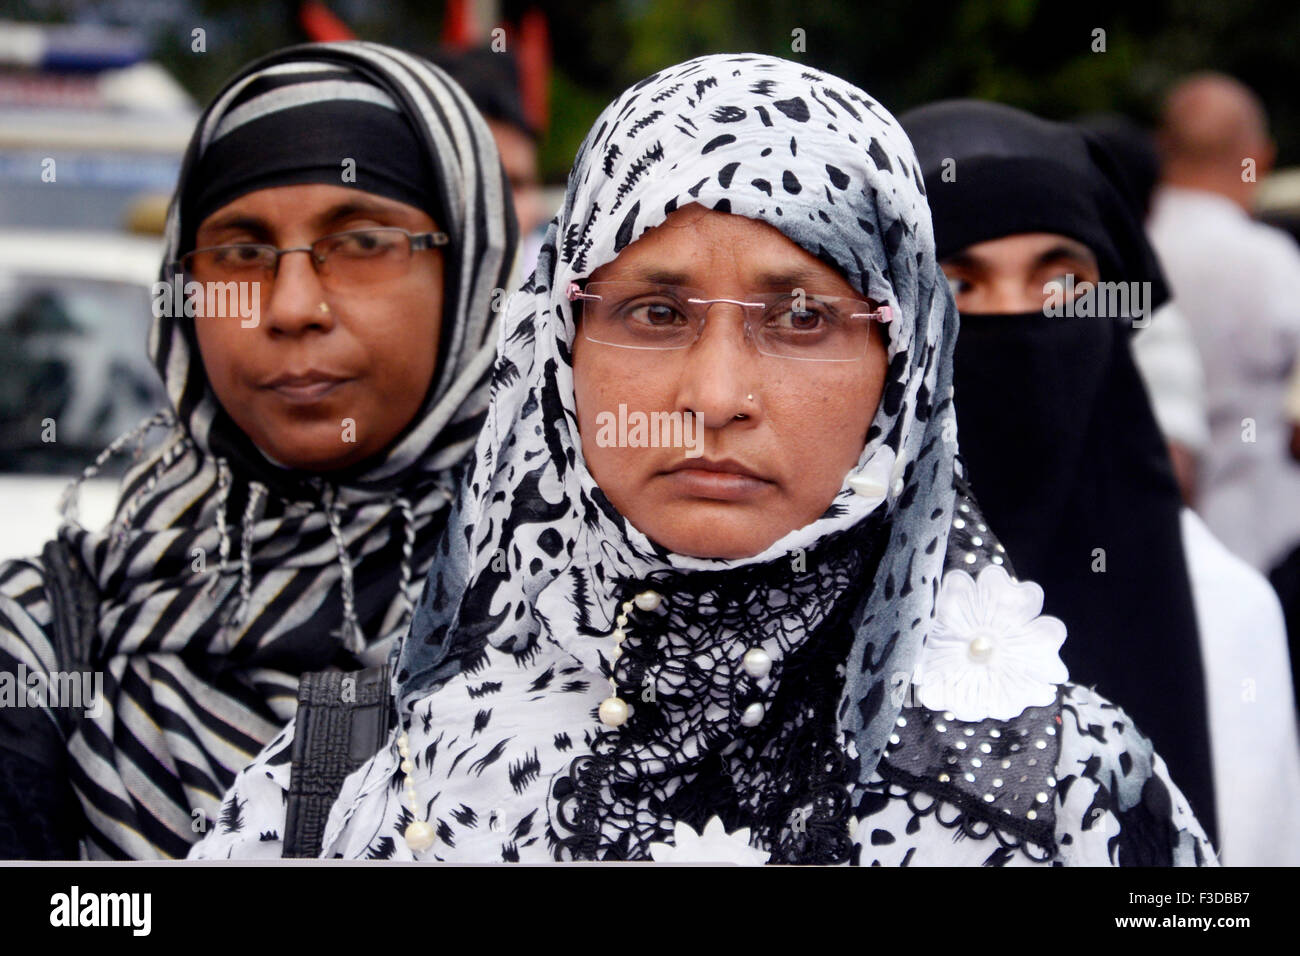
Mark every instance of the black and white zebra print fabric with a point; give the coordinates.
(219, 588)
(501, 677)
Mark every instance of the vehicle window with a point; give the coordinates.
(74, 371)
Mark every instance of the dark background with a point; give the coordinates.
(1034, 54)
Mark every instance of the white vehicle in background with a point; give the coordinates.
(88, 127)
(91, 140)
(74, 326)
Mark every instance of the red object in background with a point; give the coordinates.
(460, 29)
(533, 56)
(321, 25)
(529, 43)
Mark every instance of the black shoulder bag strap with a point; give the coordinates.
(74, 605)
(343, 719)
(73, 596)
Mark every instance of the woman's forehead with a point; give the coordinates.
(313, 204)
(695, 244)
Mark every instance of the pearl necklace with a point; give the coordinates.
(419, 833)
(614, 711)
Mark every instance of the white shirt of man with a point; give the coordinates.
(1238, 283)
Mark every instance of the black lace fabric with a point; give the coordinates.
(685, 754)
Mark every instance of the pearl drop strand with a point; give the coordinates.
(614, 711)
(419, 833)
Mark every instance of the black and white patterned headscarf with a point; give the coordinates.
(817, 759)
(829, 167)
(224, 577)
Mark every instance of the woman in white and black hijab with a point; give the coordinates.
(312, 447)
(817, 652)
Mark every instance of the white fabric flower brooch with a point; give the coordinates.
(991, 652)
(714, 845)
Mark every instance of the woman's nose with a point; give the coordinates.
(718, 372)
(296, 297)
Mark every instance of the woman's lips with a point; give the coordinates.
(717, 485)
(305, 390)
(719, 482)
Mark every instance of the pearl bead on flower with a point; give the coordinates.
(867, 487)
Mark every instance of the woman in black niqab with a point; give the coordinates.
(1057, 428)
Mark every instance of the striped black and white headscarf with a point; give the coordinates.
(224, 577)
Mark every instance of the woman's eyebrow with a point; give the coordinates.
(965, 260)
(1067, 252)
(242, 221)
(786, 279)
(660, 276)
(790, 279)
(353, 207)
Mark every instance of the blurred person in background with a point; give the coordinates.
(492, 81)
(1293, 412)
(1236, 280)
(1165, 350)
(1285, 578)
(309, 461)
(1059, 436)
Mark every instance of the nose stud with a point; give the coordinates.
(324, 309)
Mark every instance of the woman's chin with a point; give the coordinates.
(326, 455)
(719, 539)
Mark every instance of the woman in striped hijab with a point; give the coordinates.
(312, 444)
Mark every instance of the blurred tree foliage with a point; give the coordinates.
(1034, 54)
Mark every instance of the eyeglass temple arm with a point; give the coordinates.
(574, 291)
(882, 315)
